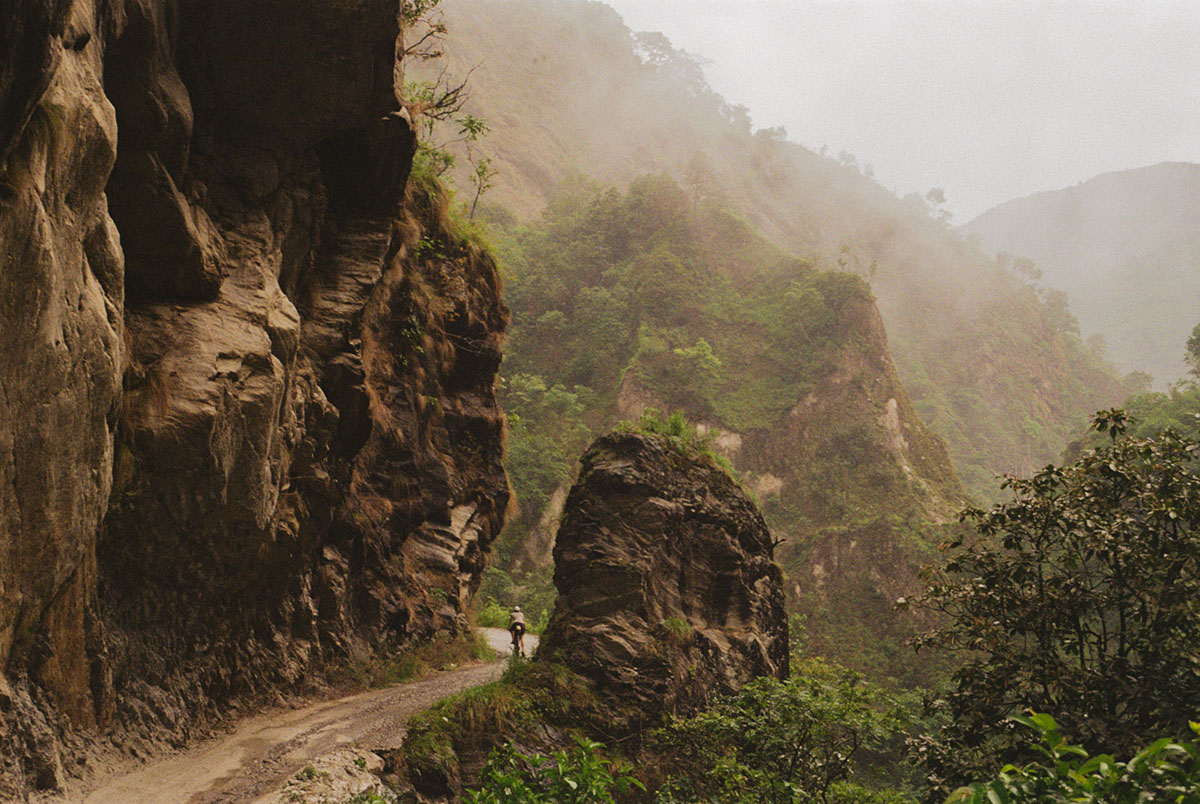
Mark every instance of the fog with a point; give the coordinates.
(990, 101)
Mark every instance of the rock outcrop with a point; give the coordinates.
(247, 420)
(668, 594)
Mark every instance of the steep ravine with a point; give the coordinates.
(247, 422)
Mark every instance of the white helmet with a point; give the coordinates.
(516, 608)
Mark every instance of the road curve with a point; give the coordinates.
(266, 750)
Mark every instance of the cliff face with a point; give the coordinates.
(859, 491)
(247, 425)
(854, 487)
(667, 590)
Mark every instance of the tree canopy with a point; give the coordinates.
(1080, 598)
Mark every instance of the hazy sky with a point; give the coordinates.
(989, 100)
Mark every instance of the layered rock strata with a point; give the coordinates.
(668, 594)
(247, 420)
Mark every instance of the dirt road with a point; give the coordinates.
(318, 751)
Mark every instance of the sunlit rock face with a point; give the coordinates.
(247, 425)
(61, 297)
(668, 594)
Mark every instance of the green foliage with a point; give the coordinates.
(681, 434)
(492, 614)
(414, 662)
(678, 627)
(576, 776)
(546, 434)
(1163, 771)
(528, 698)
(413, 11)
(1080, 596)
(1151, 413)
(648, 281)
(533, 591)
(779, 742)
(371, 797)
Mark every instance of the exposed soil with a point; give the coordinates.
(323, 751)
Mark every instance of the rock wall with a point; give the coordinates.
(247, 420)
(859, 492)
(668, 594)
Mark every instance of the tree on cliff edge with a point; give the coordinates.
(1192, 352)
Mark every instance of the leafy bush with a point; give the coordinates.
(1080, 596)
(779, 742)
(1164, 771)
(577, 776)
(534, 592)
(681, 434)
(468, 725)
(492, 615)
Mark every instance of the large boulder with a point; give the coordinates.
(668, 594)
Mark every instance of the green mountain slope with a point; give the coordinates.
(1125, 247)
(628, 301)
(993, 364)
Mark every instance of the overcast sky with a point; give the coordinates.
(988, 100)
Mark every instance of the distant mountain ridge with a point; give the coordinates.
(1125, 247)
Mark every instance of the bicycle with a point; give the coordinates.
(518, 639)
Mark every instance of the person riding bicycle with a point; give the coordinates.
(516, 627)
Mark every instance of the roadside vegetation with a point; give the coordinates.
(439, 653)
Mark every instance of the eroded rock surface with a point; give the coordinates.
(247, 422)
(668, 594)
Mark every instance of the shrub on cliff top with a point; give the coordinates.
(681, 434)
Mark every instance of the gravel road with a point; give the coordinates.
(323, 750)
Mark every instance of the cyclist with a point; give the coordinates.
(516, 627)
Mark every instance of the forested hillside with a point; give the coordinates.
(1125, 247)
(994, 363)
(626, 303)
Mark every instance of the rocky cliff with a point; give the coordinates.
(668, 594)
(668, 598)
(247, 421)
